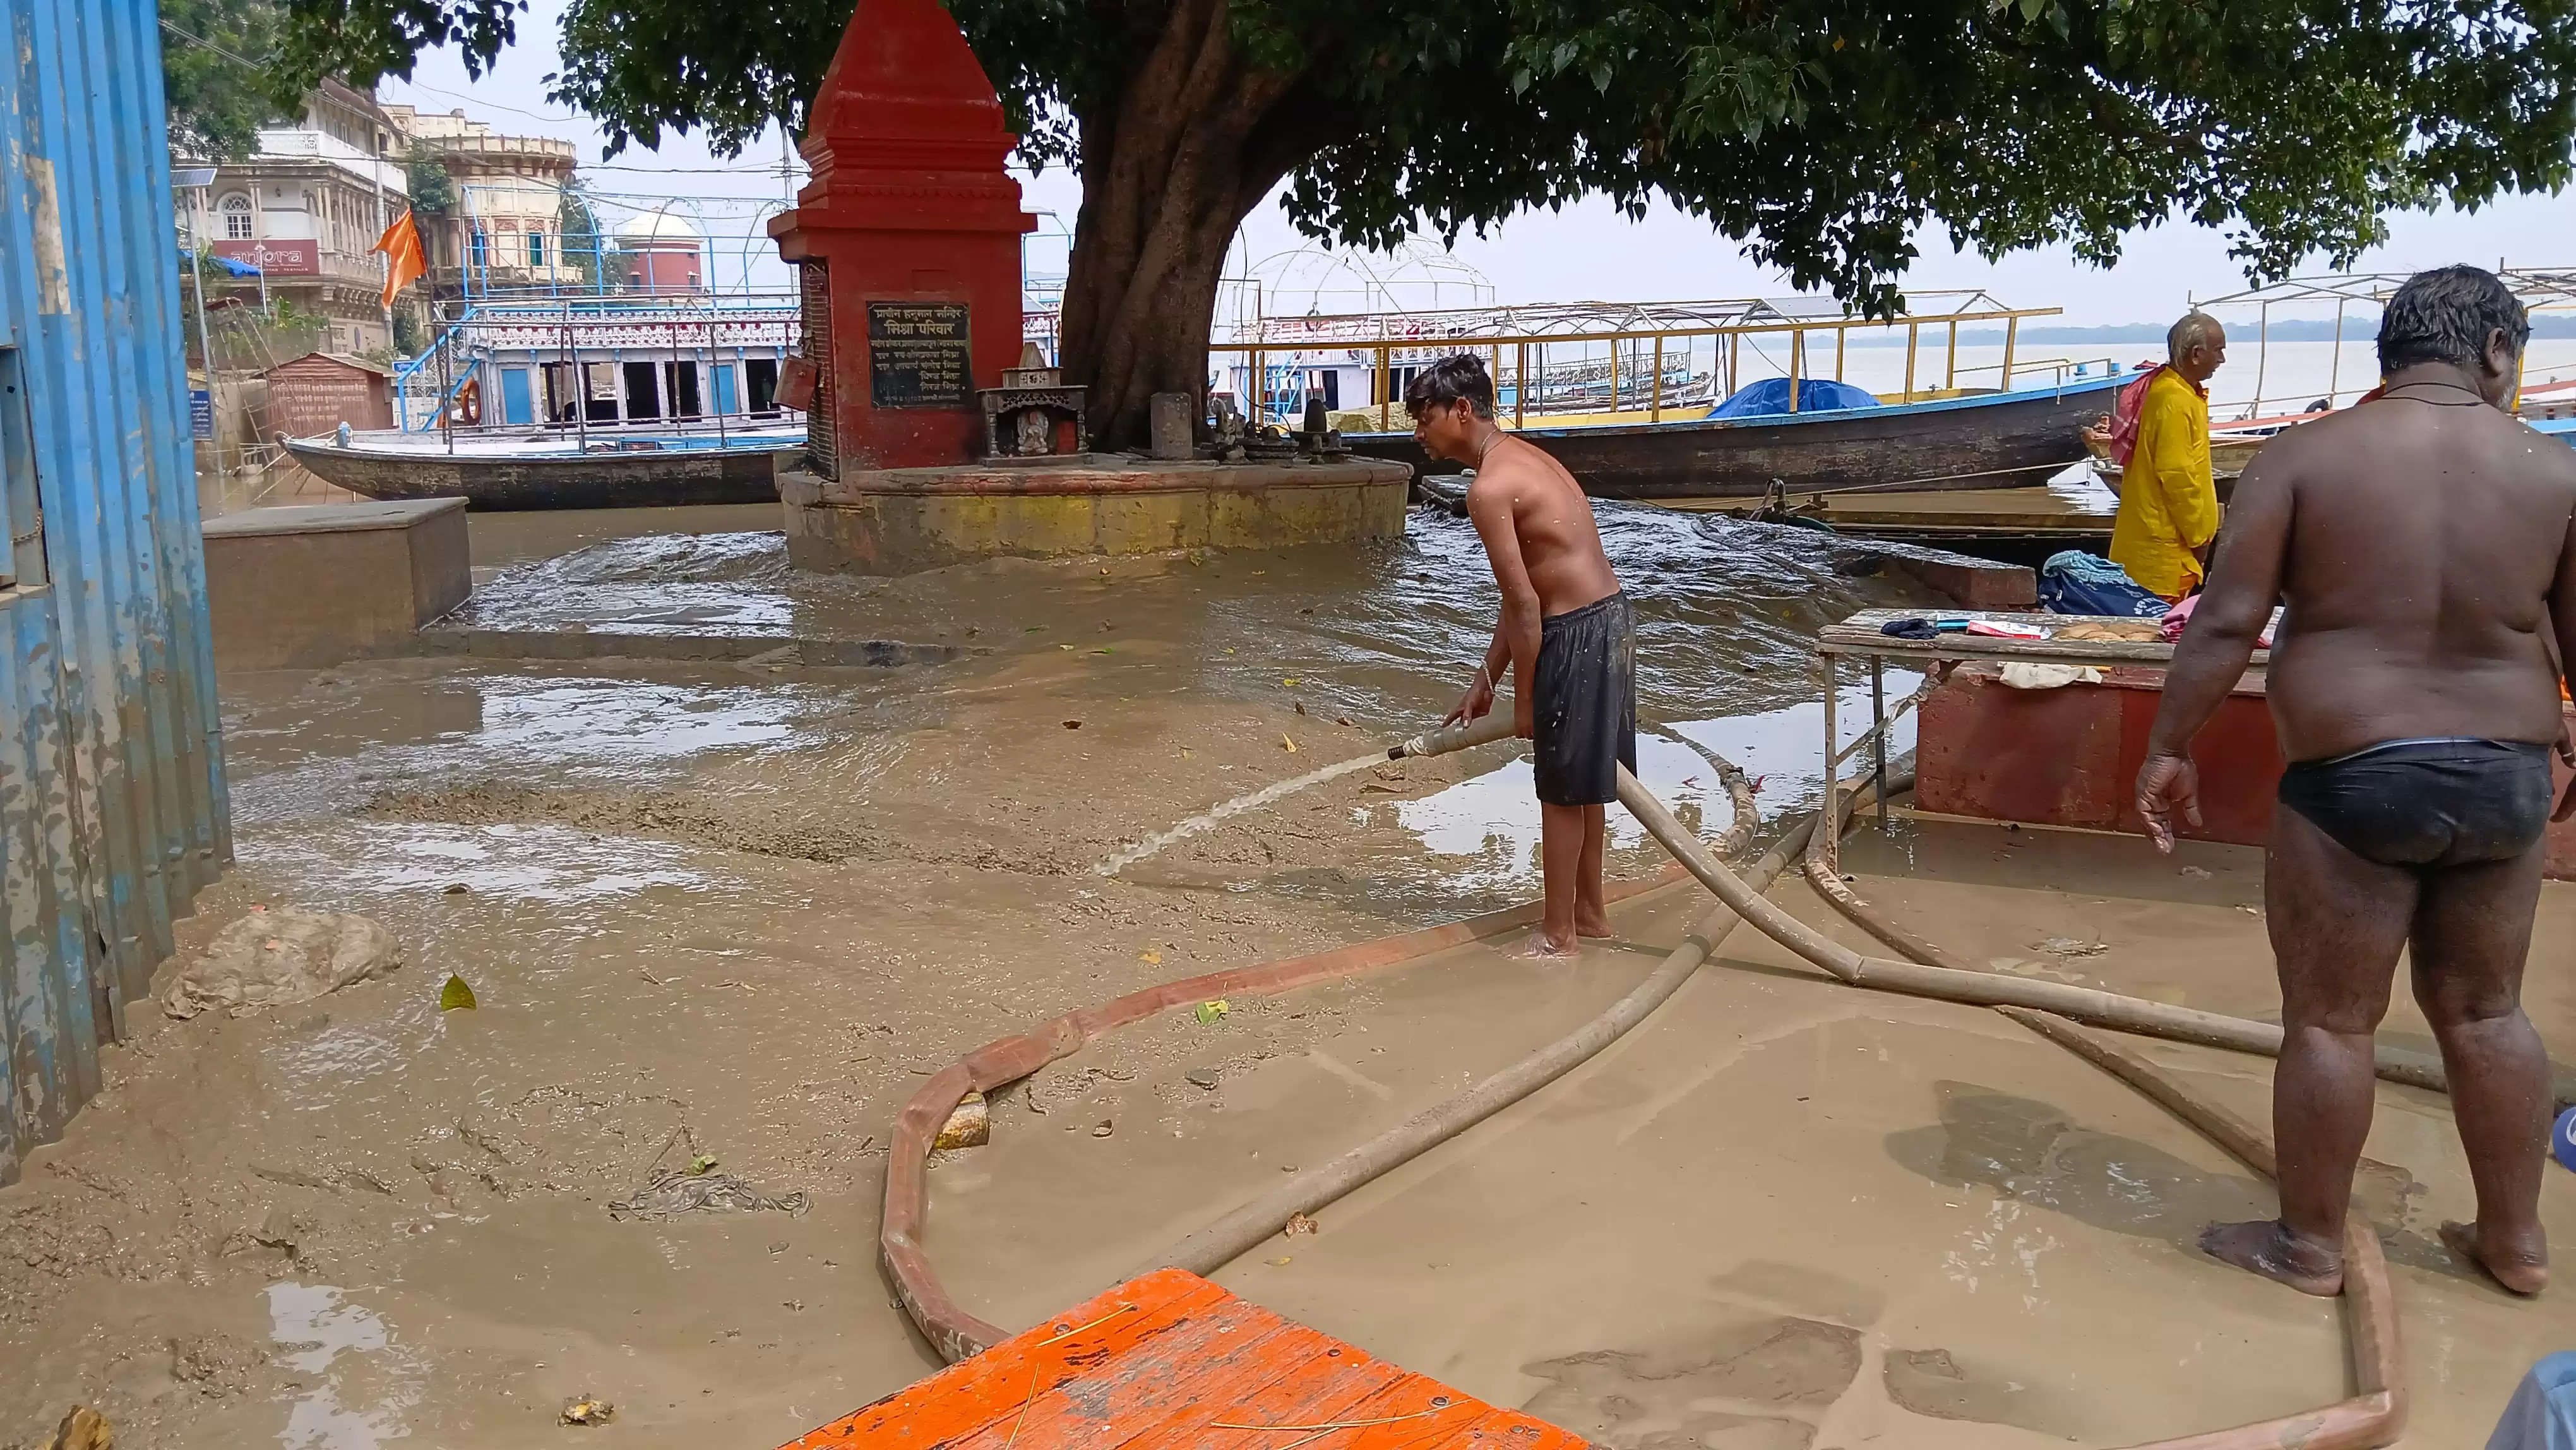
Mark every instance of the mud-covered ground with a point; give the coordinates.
(737, 913)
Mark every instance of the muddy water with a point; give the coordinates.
(1381, 638)
(739, 913)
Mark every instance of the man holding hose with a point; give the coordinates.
(1566, 635)
(2425, 544)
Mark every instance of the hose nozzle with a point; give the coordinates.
(1496, 725)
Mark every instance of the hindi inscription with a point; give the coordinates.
(917, 355)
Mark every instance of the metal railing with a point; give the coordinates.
(1646, 353)
(481, 342)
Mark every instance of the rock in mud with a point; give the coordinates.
(588, 1410)
(273, 958)
(971, 1126)
(83, 1429)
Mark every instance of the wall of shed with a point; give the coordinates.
(112, 800)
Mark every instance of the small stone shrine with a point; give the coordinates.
(923, 447)
(1032, 414)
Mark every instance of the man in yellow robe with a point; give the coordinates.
(2168, 502)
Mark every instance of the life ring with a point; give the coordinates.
(467, 410)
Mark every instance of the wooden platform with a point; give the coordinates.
(2013, 525)
(2021, 509)
(1171, 1360)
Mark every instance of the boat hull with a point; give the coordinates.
(1988, 441)
(499, 481)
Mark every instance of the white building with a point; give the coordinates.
(505, 230)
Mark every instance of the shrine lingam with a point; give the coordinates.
(931, 438)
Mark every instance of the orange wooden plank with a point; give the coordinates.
(1171, 1362)
(1315, 1392)
(1415, 1410)
(1118, 1398)
(1241, 1385)
(965, 1397)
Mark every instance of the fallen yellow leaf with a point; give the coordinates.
(1151, 959)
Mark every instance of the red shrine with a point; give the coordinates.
(907, 241)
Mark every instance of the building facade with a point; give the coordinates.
(306, 208)
(505, 230)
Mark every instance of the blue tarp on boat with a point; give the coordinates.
(1771, 395)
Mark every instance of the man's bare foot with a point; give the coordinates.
(1591, 923)
(2519, 1271)
(2269, 1248)
(1543, 947)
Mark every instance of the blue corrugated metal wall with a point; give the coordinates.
(112, 805)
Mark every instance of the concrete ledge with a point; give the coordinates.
(312, 585)
(900, 521)
(1966, 581)
(577, 644)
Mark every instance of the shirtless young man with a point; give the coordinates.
(1566, 634)
(2425, 544)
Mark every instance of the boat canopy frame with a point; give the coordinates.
(1643, 332)
(2539, 289)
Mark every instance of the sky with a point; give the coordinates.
(1588, 251)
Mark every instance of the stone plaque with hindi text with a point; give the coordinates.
(917, 355)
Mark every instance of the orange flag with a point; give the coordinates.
(405, 262)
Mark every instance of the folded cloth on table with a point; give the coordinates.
(2125, 631)
(2075, 582)
(1910, 629)
(2032, 675)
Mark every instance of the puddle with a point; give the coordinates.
(1784, 748)
(546, 864)
(312, 756)
(1492, 819)
(319, 1328)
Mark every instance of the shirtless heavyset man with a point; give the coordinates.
(2425, 545)
(1566, 635)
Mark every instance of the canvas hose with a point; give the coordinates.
(2049, 1007)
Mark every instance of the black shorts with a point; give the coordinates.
(1584, 702)
(2427, 803)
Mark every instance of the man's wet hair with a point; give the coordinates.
(2446, 315)
(1458, 378)
(2194, 329)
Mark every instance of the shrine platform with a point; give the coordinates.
(901, 521)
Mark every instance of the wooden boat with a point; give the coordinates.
(2231, 445)
(557, 468)
(1979, 440)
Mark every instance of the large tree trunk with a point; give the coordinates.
(1170, 167)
